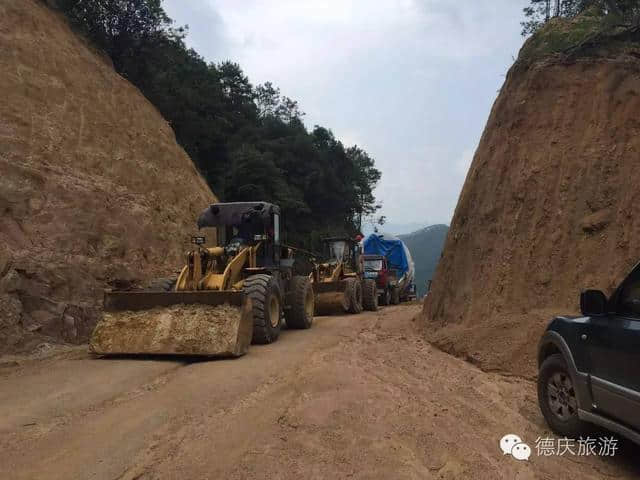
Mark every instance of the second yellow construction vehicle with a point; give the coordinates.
(338, 281)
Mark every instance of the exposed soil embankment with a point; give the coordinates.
(94, 190)
(549, 206)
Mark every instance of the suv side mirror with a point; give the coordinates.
(593, 303)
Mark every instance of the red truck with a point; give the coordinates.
(376, 267)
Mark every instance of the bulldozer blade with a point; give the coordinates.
(331, 297)
(198, 323)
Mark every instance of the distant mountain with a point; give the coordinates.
(393, 228)
(425, 246)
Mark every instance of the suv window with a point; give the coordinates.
(629, 302)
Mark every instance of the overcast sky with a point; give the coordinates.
(410, 81)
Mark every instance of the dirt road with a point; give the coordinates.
(355, 397)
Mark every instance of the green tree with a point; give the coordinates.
(267, 99)
(237, 92)
(271, 104)
(249, 143)
(367, 177)
(539, 11)
(119, 26)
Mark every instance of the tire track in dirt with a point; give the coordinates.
(360, 396)
(281, 391)
(369, 408)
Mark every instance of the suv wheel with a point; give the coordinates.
(557, 397)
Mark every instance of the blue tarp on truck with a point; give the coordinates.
(398, 257)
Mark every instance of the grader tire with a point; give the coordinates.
(265, 298)
(301, 307)
(353, 293)
(369, 295)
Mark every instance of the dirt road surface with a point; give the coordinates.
(354, 397)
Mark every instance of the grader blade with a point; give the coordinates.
(195, 323)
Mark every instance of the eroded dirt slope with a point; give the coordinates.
(549, 207)
(93, 187)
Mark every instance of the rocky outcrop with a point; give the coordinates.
(94, 190)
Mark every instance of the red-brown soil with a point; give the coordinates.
(94, 190)
(548, 208)
(355, 397)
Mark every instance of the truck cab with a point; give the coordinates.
(377, 268)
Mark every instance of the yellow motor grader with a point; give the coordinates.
(226, 296)
(338, 281)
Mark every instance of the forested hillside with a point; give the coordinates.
(249, 142)
(425, 246)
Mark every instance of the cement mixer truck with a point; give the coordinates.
(388, 260)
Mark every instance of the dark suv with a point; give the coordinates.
(589, 366)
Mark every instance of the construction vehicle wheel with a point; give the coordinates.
(369, 295)
(301, 303)
(353, 292)
(395, 295)
(265, 298)
(358, 302)
(385, 298)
